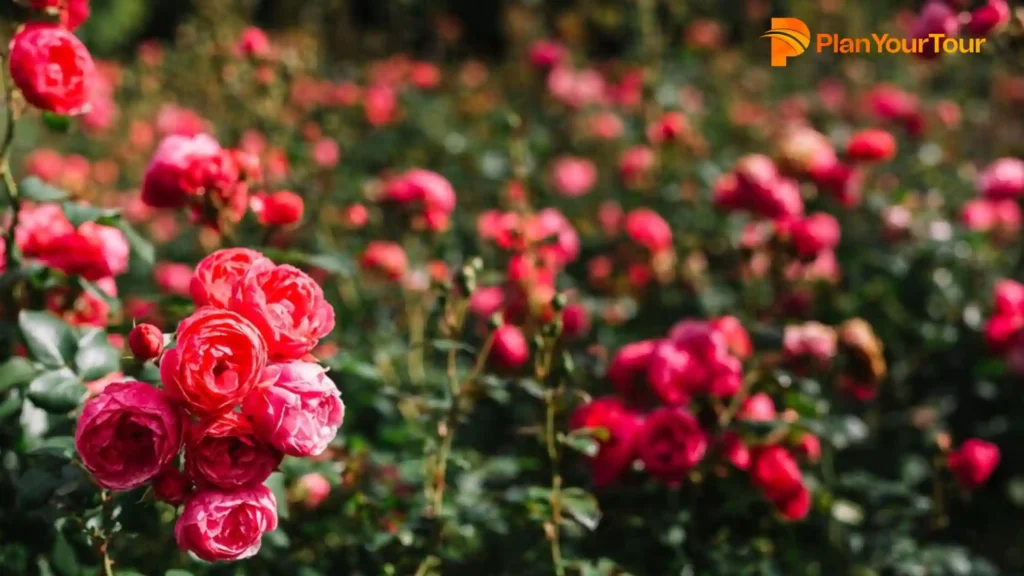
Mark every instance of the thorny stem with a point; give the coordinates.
(104, 547)
(10, 187)
(436, 478)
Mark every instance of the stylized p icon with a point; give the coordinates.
(790, 37)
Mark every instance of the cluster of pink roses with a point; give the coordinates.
(239, 391)
(697, 358)
(942, 17)
(195, 172)
(427, 194)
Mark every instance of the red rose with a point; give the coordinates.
(1003, 178)
(871, 146)
(386, 258)
(300, 412)
(670, 443)
(777, 475)
(617, 441)
(648, 229)
(974, 462)
(217, 361)
(278, 209)
(219, 525)
(224, 453)
(985, 19)
(52, 68)
(628, 370)
(286, 306)
(510, 350)
(146, 342)
(127, 434)
(216, 275)
(814, 234)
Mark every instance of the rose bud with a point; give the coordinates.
(617, 429)
(164, 184)
(216, 275)
(266, 290)
(670, 443)
(871, 146)
(671, 127)
(387, 258)
(1004, 178)
(217, 360)
(278, 209)
(974, 462)
(173, 278)
(52, 68)
(988, 18)
(127, 434)
(546, 54)
(809, 447)
(225, 453)
(219, 525)
(300, 412)
(777, 475)
(814, 234)
(253, 43)
(757, 408)
(356, 216)
(510, 349)
(635, 166)
(146, 342)
(735, 450)
(572, 176)
(171, 486)
(326, 153)
(312, 489)
(648, 229)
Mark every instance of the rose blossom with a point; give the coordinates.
(573, 176)
(52, 68)
(171, 486)
(299, 412)
(1003, 178)
(816, 233)
(280, 208)
(217, 360)
(871, 146)
(648, 229)
(388, 258)
(219, 525)
(617, 439)
(165, 184)
(216, 275)
(974, 462)
(93, 251)
(286, 305)
(510, 349)
(671, 443)
(313, 489)
(127, 434)
(224, 453)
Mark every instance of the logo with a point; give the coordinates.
(790, 37)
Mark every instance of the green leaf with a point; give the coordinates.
(64, 560)
(582, 506)
(177, 572)
(16, 372)
(62, 447)
(11, 406)
(276, 484)
(35, 487)
(533, 388)
(57, 392)
(57, 122)
(32, 188)
(80, 213)
(141, 247)
(96, 361)
(48, 338)
(582, 440)
(449, 345)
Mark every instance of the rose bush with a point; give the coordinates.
(623, 300)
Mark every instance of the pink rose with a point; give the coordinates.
(313, 489)
(165, 182)
(217, 361)
(648, 229)
(286, 305)
(219, 525)
(573, 176)
(127, 434)
(974, 462)
(52, 68)
(300, 412)
(224, 453)
(1003, 178)
(216, 275)
(816, 233)
(173, 278)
